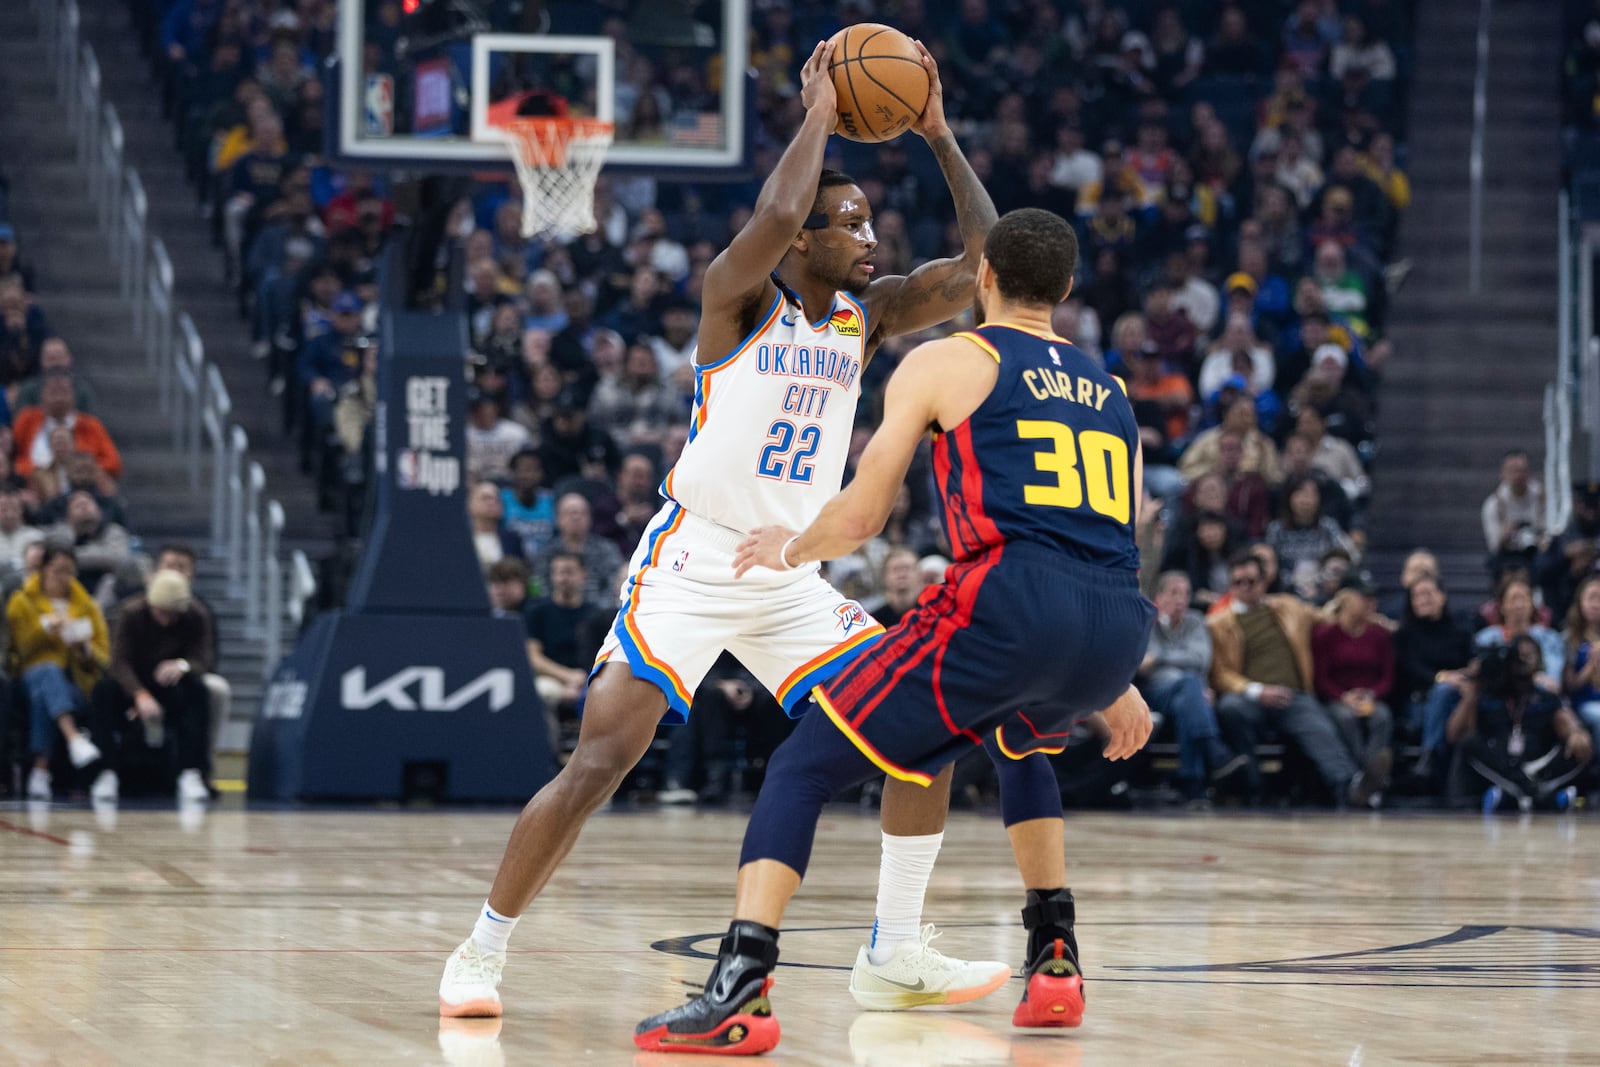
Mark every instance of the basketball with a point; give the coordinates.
(878, 76)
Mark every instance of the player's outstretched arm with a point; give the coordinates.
(940, 383)
(940, 289)
(739, 275)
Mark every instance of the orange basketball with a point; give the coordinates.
(878, 76)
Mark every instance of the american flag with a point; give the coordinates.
(701, 129)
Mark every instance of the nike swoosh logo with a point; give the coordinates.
(919, 987)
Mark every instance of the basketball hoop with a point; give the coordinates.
(558, 160)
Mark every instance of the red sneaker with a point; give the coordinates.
(1054, 993)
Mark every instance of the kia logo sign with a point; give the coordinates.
(423, 689)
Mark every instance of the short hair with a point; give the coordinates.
(897, 551)
(508, 570)
(829, 179)
(54, 550)
(1245, 558)
(177, 548)
(638, 453)
(563, 554)
(1166, 578)
(1034, 254)
(522, 454)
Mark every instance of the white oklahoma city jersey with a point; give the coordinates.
(773, 418)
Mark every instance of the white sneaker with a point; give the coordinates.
(192, 788)
(39, 784)
(82, 751)
(105, 787)
(470, 987)
(919, 974)
(677, 794)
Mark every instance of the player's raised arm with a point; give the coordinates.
(739, 275)
(942, 288)
(940, 383)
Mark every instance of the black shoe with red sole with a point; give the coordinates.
(1054, 993)
(733, 1016)
(743, 1025)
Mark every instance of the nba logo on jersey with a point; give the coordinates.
(845, 322)
(1055, 357)
(682, 561)
(850, 616)
(379, 106)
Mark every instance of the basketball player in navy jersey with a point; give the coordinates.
(793, 310)
(1039, 622)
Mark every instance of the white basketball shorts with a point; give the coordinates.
(682, 606)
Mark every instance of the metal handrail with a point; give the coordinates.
(108, 176)
(272, 602)
(158, 316)
(255, 485)
(188, 366)
(238, 445)
(85, 122)
(302, 586)
(214, 422)
(135, 213)
(246, 527)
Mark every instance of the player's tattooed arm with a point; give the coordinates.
(940, 289)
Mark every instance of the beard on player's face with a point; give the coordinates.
(836, 269)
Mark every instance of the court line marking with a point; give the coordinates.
(25, 831)
(1285, 972)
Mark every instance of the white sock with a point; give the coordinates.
(902, 883)
(493, 931)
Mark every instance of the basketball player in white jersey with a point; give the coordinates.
(792, 313)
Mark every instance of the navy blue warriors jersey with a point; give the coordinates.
(1047, 458)
(1039, 622)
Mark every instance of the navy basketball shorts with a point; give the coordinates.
(1017, 644)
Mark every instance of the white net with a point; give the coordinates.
(557, 162)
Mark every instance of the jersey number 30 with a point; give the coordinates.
(1104, 469)
(782, 438)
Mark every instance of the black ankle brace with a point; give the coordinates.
(1049, 907)
(752, 940)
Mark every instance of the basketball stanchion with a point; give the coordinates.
(415, 689)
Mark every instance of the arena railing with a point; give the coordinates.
(246, 525)
(1558, 398)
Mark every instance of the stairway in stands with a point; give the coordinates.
(1470, 369)
(78, 289)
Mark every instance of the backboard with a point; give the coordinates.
(415, 78)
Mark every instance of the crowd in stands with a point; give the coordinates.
(1235, 171)
(105, 653)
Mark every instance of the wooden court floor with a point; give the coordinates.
(317, 937)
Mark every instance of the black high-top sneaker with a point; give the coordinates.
(733, 1016)
(1053, 995)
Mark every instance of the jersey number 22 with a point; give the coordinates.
(789, 452)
